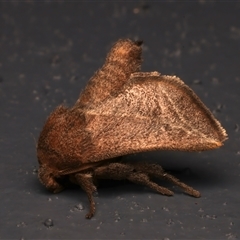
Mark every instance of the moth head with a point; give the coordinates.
(49, 153)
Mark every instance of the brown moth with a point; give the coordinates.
(124, 111)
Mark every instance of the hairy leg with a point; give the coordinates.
(142, 178)
(139, 173)
(154, 170)
(121, 171)
(86, 183)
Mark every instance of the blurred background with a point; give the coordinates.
(48, 51)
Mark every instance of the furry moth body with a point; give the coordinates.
(124, 111)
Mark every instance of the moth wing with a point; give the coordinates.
(152, 112)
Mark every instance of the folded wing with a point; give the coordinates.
(152, 112)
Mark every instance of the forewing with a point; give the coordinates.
(152, 112)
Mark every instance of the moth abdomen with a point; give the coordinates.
(123, 59)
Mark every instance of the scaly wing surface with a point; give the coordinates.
(151, 113)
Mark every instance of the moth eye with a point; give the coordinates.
(63, 180)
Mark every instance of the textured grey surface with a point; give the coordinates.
(48, 51)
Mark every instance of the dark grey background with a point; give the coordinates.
(48, 51)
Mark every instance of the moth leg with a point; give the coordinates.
(120, 171)
(86, 183)
(154, 170)
(189, 190)
(142, 178)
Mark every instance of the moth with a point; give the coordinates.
(123, 111)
